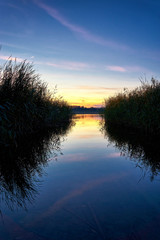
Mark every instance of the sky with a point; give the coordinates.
(89, 49)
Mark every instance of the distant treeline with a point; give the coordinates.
(137, 110)
(84, 110)
(26, 105)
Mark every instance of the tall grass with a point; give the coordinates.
(138, 109)
(26, 105)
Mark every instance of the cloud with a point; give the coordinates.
(2, 57)
(116, 68)
(10, 45)
(85, 34)
(86, 87)
(96, 88)
(113, 155)
(26, 49)
(69, 65)
(98, 105)
(66, 65)
(127, 69)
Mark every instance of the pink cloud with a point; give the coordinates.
(113, 155)
(85, 34)
(116, 68)
(128, 69)
(69, 65)
(2, 57)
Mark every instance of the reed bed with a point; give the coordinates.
(137, 110)
(26, 105)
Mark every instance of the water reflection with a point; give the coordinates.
(91, 193)
(145, 151)
(22, 166)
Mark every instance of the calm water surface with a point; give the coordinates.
(88, 190)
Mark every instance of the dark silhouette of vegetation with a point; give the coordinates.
(26, 105)
(138, 109)
(21, 167)
(84, 110)
(145, 151)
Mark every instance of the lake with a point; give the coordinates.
(89, 185)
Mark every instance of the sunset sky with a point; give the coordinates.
(90, 49)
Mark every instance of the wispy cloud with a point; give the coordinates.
(116, 68)
(14, 6)
(85, 34)
(127, 69)
(96, 88)
(86, 87)
(10, 45)
(98, 105)
(66, 65)
(2, 57)
(28, 50)
(113, 155)
(78, 66)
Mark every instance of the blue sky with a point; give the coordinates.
(89, 49)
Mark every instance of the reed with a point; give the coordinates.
(138, 109)
(26, 105)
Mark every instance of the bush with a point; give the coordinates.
(138, 109)
(26, 105)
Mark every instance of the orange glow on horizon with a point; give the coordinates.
(85, 100)
(78, 92)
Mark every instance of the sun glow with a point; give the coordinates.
(86, 97)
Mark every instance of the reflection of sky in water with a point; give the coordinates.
(91, 192)
(86, 142)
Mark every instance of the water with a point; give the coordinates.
(83, 188)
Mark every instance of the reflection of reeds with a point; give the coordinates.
(22, 166)
(138, 109)
(144, 151)
(26, 106)
(96, 227)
